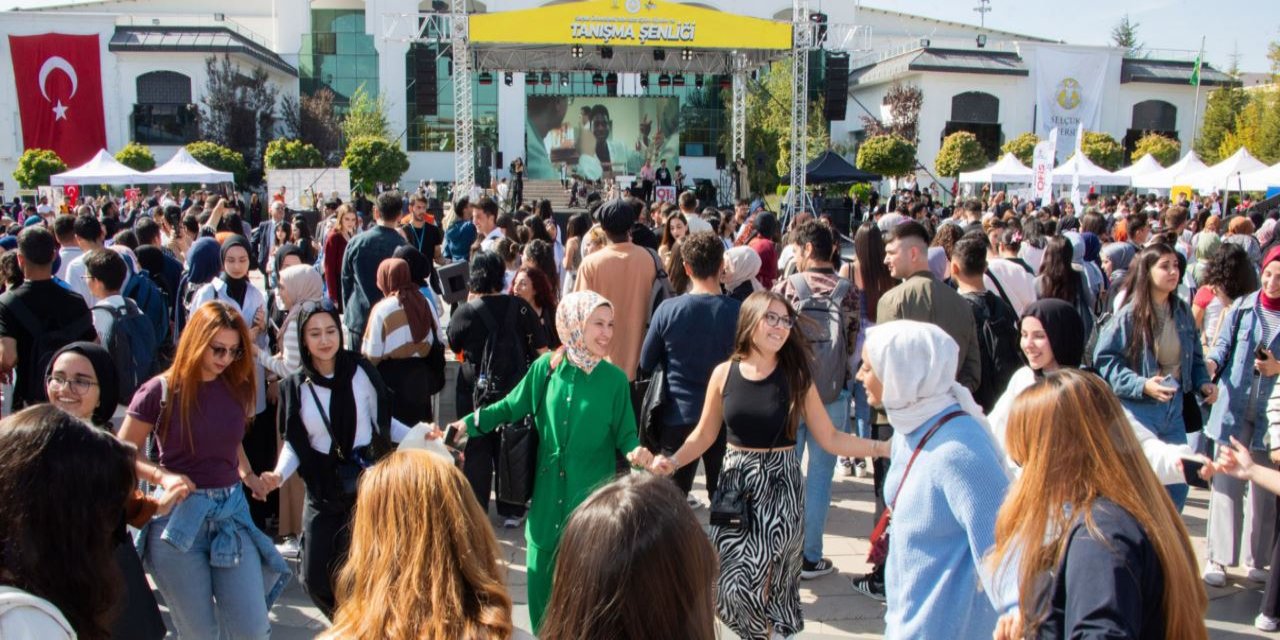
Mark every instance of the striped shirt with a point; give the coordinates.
(289, 360)
(388, 335)
(1270, 324)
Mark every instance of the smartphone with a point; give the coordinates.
(1261, 354)
(451, 437)
(1191, 472)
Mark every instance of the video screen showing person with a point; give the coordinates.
(596, 137)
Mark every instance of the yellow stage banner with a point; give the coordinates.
(630, 23)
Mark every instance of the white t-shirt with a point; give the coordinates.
(24, 616)
(491, 239)
(75, 273)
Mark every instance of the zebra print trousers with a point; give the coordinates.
(759, 587)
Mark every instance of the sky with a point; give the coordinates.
(1246, 26)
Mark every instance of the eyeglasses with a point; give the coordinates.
(774, 320)
(78, 386)
(222, 352)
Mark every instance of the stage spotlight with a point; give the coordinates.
(531, 77)
(982, 40)
(664, 80)
(644, 81)
(697, 81)
(678, 80)
(686, 54)
(546, 78)
(564, 79)
(486, 78)
(606, 53)
(659, 55)
(506, 78)
(577, 51)
(597, 79)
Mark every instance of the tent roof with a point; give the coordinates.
(1223, 174)
(1171, 175)
(830, 167)
(1089, 173)
(102, 169)
(1006, 169)
(1262, 180)
(1144, 166)
(182, 167)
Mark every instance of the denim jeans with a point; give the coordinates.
(817, 483)
(861, 411)
(1164, 419)
(206, 601)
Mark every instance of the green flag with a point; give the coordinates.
(1195, 73)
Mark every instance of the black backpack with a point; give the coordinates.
(998, 338)
(505, 358)
(130, 339)
(44, 343)
(661, 288)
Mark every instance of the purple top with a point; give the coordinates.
(218, 425)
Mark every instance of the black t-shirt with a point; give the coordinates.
(425, 240)
(56, 308)
(663, 176)
(644, 236)
(468, 334)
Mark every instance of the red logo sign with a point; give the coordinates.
(59, 86)
(72, 192)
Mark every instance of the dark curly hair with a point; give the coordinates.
(63, 486)
(1231, 271)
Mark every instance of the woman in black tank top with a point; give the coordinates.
(760, 395)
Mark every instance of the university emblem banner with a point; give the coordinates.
(1069, 85)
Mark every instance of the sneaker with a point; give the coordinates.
(860, 468)
(870, 587)
(1265, 622)
(694, 502)
(1258, 575)
(289, 548)
(1214, 575)
(811, 570)
(512, 523)
(847, 467)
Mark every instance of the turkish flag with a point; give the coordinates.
(59, 82)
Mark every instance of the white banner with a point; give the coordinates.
(1069, 85)
(1042, 168)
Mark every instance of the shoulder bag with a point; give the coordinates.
(518, 455)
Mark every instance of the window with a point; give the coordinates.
(164, 113)
(975, 106)
(338, 54)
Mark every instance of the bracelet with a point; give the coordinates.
(674, 461)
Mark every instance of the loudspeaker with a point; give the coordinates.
(497, 160)
(719, 161)
(425, 91)
(837, 83)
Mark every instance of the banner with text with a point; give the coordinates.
(598, 137)
(1069, 85)
(1042, 168)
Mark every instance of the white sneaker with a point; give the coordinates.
(512, 523)
(694, 502)
(289, 548)
(1258, 575)
(1265, 622)
(1214, 575)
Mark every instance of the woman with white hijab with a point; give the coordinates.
(948, 473)
(741, 266)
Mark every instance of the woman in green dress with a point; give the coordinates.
(582, 408)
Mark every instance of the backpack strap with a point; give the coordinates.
(800, 285)
(1000, 288)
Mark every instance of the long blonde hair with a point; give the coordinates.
(423, 559)
(1075, 446)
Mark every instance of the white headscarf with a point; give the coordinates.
(917, 362)
(741, 264)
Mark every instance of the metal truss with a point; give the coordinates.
(464, 148)
(739, 121)
(802, 41)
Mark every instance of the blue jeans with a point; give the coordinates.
(207, 601)
(817, 483)
(1164, 419)
(861, 411)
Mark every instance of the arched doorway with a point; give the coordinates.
(978, 113)
(1150, 116)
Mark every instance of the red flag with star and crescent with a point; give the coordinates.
(59, 83)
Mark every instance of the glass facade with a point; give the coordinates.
(429, 104)
(338, 54)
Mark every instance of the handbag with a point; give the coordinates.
(731, 505)
(880, 535)
(347, 466)
(651, 407)
(518, 456)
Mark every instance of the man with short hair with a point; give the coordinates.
(421, 233)
(689, 208)
(663, 174)
(998, 352)
(38, 317)
(105, 272)
(360, 265)
(623, 273)
(817, 285)
(264, 237)
(64, 229)
(1139, 229)
(89, 236)
(484, 215)
(689, 335)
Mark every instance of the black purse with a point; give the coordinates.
(518, 456)
(651, 407)
(731, 504)
(348, 467)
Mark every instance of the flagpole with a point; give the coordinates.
(1195, 114)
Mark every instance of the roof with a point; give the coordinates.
(194, 40)
(1170, 72)
(950, 23)
(1003, 63)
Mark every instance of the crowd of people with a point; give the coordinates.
(1031, 390)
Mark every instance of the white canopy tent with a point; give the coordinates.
(1174, 174)
(1146, 165)
(102, 169)
(1261, 180)
(1089, 173)
(1225, 175)
(183, 168)
(1006, 169)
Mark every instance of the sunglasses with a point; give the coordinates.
(774, 320)
(222, 352)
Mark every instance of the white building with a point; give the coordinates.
(153, 52)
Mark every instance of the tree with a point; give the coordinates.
(285, 153)
(1257, 127)
(768, 128)
(1022, 147)
(372, 160)
(960, 152)
(137, 157)
(35, 166)
(887, 155)
(1220, 113)
(311, 118)
(366, 117)
(239, 110)
(216, 156)
(904, 102)
(1164, 149)
(1125, 34)
(1102, 150)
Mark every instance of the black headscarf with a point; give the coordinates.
(104, 368)
(419, 266)
(342, 398)
(236, 287)
(1064, 328)
(151, 258)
